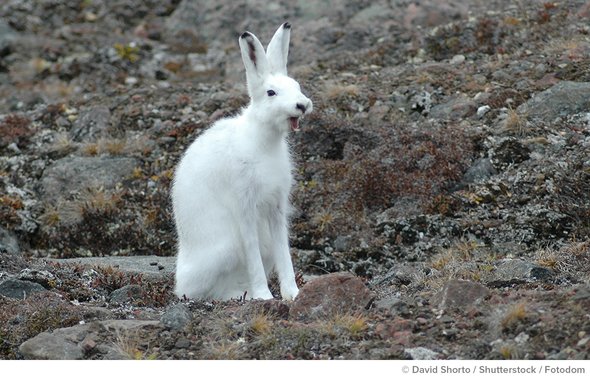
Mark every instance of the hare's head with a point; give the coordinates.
(276, 98)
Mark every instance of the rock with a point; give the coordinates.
(459, 294)
(8, 38)
(480, 170)
(510, 272)
(394, 329)
(182, 342)
(421, 353)
(127, 293)
(342, 243)
(151, 267)
(92, 123)
(387, 303)
(11, 257)
(71, 343)
(51, 346)
(19, 289)
(457, 59)
(335, 293)
(127, 324)
(401, 274)
(421, 103)
(176, 317)
(509, 151)
(75, 174)
(563, 99)
(41, 277)
(481, 111)
(8, 243)
(455, 109)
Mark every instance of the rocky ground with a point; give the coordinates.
(443, 183)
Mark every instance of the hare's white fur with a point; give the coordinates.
(231, 188)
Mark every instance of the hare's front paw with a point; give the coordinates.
(289, 293)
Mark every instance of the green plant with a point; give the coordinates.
(127, 52)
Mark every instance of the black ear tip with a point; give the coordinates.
(245, 34)
(286, 26)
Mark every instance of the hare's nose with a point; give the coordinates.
(301, 107)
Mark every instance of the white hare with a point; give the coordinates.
(231, 188)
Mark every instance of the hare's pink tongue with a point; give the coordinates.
(294, 121)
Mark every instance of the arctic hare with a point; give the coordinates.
(231, 188)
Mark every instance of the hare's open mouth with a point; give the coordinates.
(294, 122)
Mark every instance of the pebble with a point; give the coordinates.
(457, 59)
(481, 111)
(176, 317)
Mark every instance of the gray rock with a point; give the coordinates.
(459, 294)
(182, 342)
(176, 317)
(19, 289)
(421, 353)
(335, 293)
(388, 303)
(127, 324)
(151, 267)
(41, 277)
(7, 38)
(74, 174)
(342, 243)
(91, 123)
(8, 243)
(455, 109)
(516, 271)
(51, 346)
(70, 343)
(480, 170)
(127, 293)
(563, 99)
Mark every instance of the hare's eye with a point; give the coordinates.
(271, 93)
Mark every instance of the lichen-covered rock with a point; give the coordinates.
(127, 293)
(516, 271)
(71, 175)
(14, 288)
(176, 317)
(563, 99)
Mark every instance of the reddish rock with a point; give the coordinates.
(335, 293)
(395, 329)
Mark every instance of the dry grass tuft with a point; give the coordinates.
(515, 314)
(260, 325)
(353, 325)
(127, 344)
(515, 122)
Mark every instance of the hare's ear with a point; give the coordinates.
(254, 60)
(278, 49)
